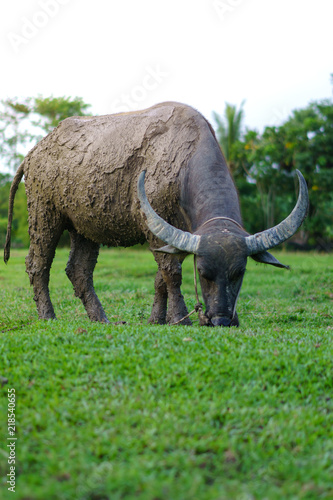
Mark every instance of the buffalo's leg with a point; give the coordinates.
(45, 229)
(80, 267)
(159, 310)
(170, 270)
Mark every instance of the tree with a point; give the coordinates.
(24, 122)
(56, 109)
(14, 133)
(305, 142)
(229, 129)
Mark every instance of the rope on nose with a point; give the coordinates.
(204, 321)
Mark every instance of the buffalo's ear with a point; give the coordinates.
(169, 249)
(267, 258)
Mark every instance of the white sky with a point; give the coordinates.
(130, 54)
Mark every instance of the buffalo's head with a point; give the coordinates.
(221, 262)
(221, 247)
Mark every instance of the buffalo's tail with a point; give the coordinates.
(12, 193)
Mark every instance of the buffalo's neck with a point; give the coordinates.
(208, 189)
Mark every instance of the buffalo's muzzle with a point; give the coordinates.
(222, 321)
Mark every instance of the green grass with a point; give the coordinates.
(157, 412)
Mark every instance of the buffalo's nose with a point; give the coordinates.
(219, 321)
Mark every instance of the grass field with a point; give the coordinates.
(156, 412)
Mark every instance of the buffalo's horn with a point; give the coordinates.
(265, 240)
(182, 240)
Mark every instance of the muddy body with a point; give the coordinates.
(83, 177)
(86, 171)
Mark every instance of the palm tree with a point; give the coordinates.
(229, 127)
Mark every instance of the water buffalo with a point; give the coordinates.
(85, 177)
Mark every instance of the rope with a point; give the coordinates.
(195, 279)
(204, 321)
(185, 317)
(224, 218)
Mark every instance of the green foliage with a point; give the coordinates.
(144, 412)
(304, 142)
(15, 134)
(4, 194)
(24, 122)
(20, 234)
(56, 109)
